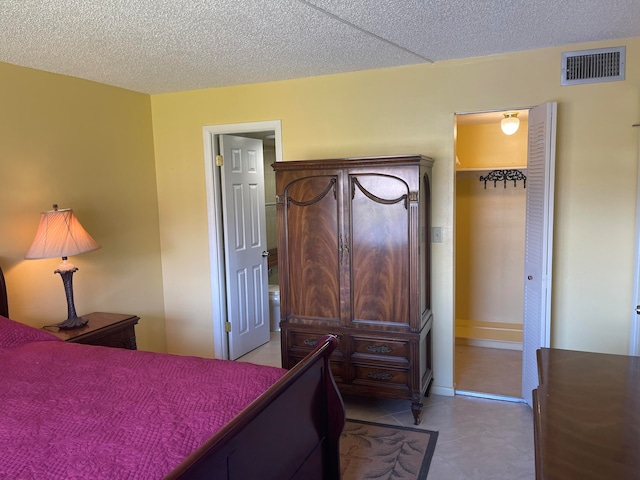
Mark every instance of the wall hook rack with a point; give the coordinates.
(496, 176)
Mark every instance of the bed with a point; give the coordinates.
(81, 411)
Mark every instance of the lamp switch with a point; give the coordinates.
(436, 235)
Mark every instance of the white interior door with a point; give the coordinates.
(538, 240)
(245, 240)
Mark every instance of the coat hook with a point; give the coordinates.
(504, 176)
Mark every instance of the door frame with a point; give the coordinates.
(546, 323)
(214, 219)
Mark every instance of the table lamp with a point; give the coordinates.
(61, 235)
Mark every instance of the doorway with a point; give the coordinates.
(271, 134)
(538, 244)
(490, 220)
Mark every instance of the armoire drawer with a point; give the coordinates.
(380, 349)
(307, 340)
(379, 375)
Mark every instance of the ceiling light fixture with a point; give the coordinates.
(510, 123)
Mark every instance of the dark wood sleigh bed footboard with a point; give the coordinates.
(291, 431)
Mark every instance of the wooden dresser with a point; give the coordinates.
(354, 260)
(587, 416)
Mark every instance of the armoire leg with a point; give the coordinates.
(416, 409)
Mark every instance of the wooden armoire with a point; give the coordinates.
(354, 260)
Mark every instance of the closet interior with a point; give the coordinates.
(491, 169)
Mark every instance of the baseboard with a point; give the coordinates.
(490, 334)
(445, 391)
(480, 342)
(489, 396)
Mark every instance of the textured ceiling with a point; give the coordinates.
(157, 46)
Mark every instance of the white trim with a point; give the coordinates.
(214, 219)
(489, 396)
(444, 391)
(231, 128)
(550, 170)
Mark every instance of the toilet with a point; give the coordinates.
(274, 307)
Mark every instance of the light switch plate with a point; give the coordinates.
(436, 234)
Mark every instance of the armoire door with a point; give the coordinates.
(314, 246)
(379, 247)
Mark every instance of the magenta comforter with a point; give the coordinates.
(70, 411)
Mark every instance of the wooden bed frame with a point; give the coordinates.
(4, 305)
(291, 431)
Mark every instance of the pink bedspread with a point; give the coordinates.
(70, 411)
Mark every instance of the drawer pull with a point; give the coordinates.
(379, 349)
(380, 375)
(310, 342)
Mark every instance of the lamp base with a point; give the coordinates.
(71, 323)
(66, 271)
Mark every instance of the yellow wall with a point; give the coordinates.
(411, 110)
(88, 147)
(490, 249)
(490, 231)
(485, 146)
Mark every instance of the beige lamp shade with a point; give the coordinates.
(60, 235)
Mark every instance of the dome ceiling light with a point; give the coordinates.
(510, 123)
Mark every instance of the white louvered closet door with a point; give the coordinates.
(634, 343)
(538, 241)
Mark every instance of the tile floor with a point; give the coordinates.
(479, 439)
(488, 370)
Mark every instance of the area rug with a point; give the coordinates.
(384, 452)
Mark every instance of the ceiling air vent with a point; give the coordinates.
(592, 66)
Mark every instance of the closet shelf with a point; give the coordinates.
(488, 169)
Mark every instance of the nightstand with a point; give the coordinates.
(106, 329)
